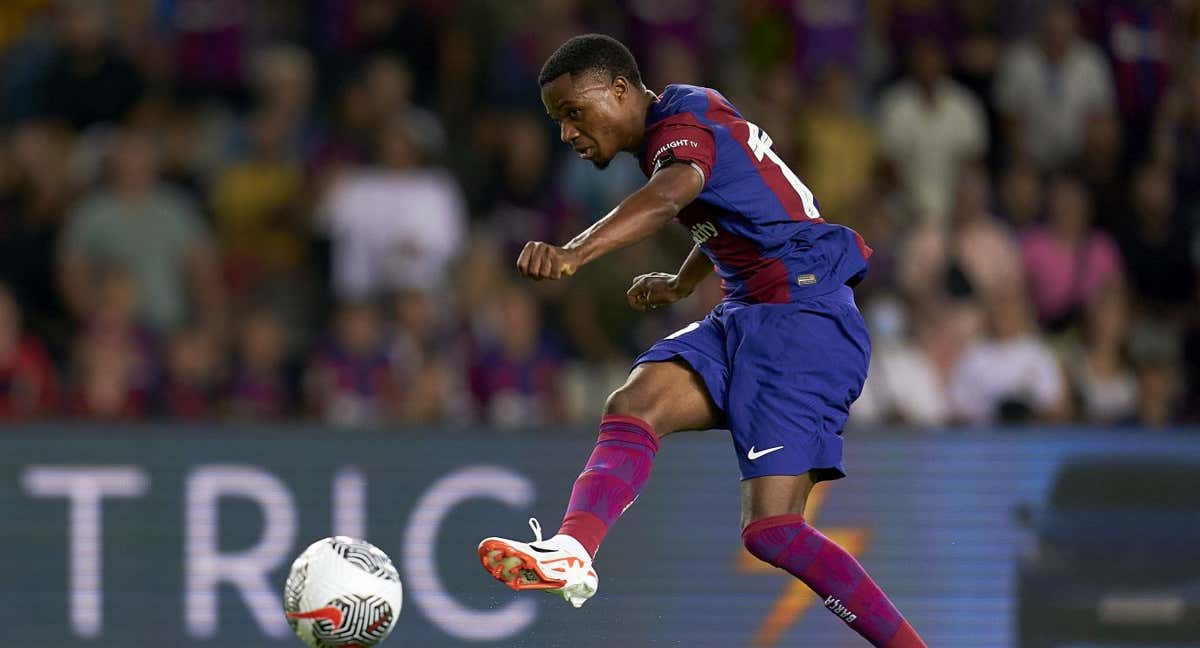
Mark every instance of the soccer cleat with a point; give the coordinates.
(559, 565)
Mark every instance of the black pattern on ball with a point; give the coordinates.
(292, 591)
(366, 557)
(365, 621)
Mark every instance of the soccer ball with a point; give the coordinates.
(342, 593)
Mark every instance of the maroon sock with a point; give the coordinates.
(612, 479)
(789, 543)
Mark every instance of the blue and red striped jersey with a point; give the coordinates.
(757, 222)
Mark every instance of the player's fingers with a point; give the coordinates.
(545, 263)
(558, 267)
(636, 293)
(649, 291)
(638, 289)
(523, 258)
(637, 281)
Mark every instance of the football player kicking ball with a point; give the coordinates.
(778, 362)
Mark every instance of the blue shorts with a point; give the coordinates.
(783, 375)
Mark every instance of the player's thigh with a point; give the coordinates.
(795, 371)
(668, 395)
(764, 497)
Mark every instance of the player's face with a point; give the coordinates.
(591, 113)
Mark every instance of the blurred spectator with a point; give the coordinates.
(1011, 376)
(929, 127)
(396, 225)
(28, 388)
(978, 50)
(261, 386)
(115, 317)
(671, 38)
(115, 367)
(283, 81)
(427, 358)
(193, 376)
(976, 256)
(829, 33)
(388, 81)
(1105, 386)
(838, 149)
(903, 385)
(673, 62)
(984, 249)
(777, 94)
(1177, 134)
(1155, 346)
(256, 203)
(1136, 36)
(192, 142)
(944, 332)
(104, 386)
(531, 31)
(35, 193)
(1020, 196)
(1067, 261)
(1047, 88)
(515, 372)
(411, 30)
(137, 34)
(350, 380)
(208, 41)
(1103, 171)
(140, 224)
(26, 59)
(1155, 243)
(526, 204)
(89, 81)
(909, 22)
(15, 18)
(479, 272)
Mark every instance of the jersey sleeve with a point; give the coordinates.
(680, 141)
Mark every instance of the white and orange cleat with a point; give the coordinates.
(558, 565)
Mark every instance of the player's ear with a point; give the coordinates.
(620, 87)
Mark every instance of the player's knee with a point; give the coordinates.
(761, 545)
(633, 402)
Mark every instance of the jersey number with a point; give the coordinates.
(760, 146)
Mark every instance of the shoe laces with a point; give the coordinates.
(537, 529)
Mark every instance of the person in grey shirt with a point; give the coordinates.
(1047, 88)
(138, 224)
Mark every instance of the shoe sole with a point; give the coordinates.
(514, 567)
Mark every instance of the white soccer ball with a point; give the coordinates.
(342, 593)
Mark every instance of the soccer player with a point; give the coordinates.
(778, 362)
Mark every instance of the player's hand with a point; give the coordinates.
(654, 290)
(544, 261)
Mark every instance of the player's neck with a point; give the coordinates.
(648, 98)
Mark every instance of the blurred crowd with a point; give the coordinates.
(228, 210)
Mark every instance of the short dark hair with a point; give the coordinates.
(591, 52)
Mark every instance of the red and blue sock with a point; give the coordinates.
(612, 479)
(788, 542)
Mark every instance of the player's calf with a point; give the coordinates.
(789, 543)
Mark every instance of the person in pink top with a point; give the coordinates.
(1067, 261)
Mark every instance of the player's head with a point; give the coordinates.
(592, 87)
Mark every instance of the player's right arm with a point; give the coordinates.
(660, 288)
(643, 213)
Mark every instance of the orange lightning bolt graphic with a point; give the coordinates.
(796, 598)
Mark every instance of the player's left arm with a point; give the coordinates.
(644, 212)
